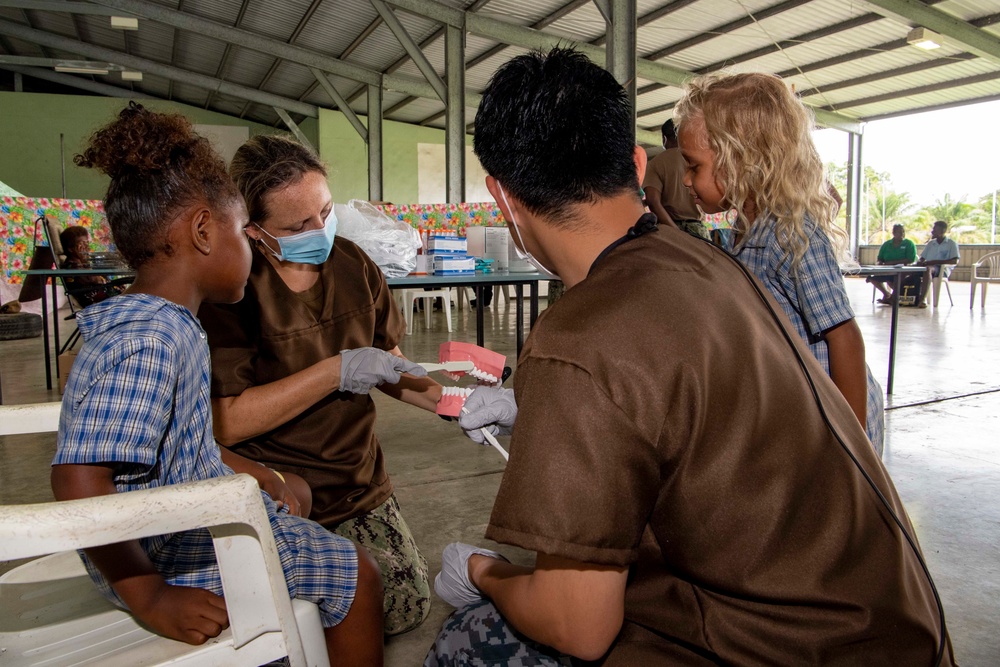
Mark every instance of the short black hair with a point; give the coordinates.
(942, 223)
(555, 130)
(668, 130)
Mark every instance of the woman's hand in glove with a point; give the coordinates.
(364, 368)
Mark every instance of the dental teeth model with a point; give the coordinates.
(457, 359)
(487, 365)
(452, 400)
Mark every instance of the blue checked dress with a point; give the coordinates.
(138, 401)
(813, 298)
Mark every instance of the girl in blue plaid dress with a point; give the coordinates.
(747, 141)
(137, 411)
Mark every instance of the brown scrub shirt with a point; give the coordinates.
(667, 423)
(665, 172)
(273, 333)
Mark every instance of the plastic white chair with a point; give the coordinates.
(940, 279)
(990, 265)
(53, 615)
(410, 296)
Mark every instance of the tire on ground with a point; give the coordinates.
(20, 325)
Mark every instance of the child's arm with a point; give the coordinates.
(282, 488)
(191, 615)
(847, 366)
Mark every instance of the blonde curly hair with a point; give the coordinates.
(765, 158)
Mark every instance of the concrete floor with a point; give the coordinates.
(941, 449)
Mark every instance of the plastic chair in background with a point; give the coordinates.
(52, 613)
(984, 272)
(407, 299)
(939, 279)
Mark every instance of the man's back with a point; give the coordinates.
(665, 174)
(685, 440)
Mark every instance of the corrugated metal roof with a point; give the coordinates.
(840, 54)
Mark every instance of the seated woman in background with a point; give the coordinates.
(85, 289)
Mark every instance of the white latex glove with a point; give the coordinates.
(452, 583)
(367, 367)
(492, 408)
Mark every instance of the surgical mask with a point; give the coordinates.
(311, 247)
(522, 250)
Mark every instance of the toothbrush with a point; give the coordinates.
(492, 440)
(449, 366)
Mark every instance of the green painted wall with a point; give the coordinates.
(347, 157)
(30, 124)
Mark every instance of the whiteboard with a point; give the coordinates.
(225, 139)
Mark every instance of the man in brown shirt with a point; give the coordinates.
(666, 194)
(696, 488)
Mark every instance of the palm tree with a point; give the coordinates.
(950, 210)
(886, 208)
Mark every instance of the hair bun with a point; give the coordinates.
(142, 142)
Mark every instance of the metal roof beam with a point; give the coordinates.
(159, 69)
(75, 82)
(411, 48)
(888, 74)
(291, 125)
(936, 107)
(919, 90)
(742, 22)
(964, 33)
(220, 73)
(270, 46)
(341, 103)
(489, 53)
(67, 7)
(516, 35)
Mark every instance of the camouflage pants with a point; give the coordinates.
(694, 228)
(385, 535)
(478, 636)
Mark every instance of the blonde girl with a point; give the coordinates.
(747, 142)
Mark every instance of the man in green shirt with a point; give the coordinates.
(897, 250)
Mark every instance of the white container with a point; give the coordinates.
(496, 242)
(476, 237)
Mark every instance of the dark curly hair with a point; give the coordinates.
(157, 164)
(267, 163)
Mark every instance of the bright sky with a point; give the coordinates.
(953, 151)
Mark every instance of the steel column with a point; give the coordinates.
(375, 143)
(454, 49)
(621, 47)
(853, 200)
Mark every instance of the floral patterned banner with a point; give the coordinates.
(19, 234)
(446, 217)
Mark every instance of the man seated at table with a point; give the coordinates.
(940, 254)
(896, 251)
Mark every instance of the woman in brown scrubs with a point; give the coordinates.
(276, 364)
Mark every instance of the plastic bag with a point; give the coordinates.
(390, 243)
